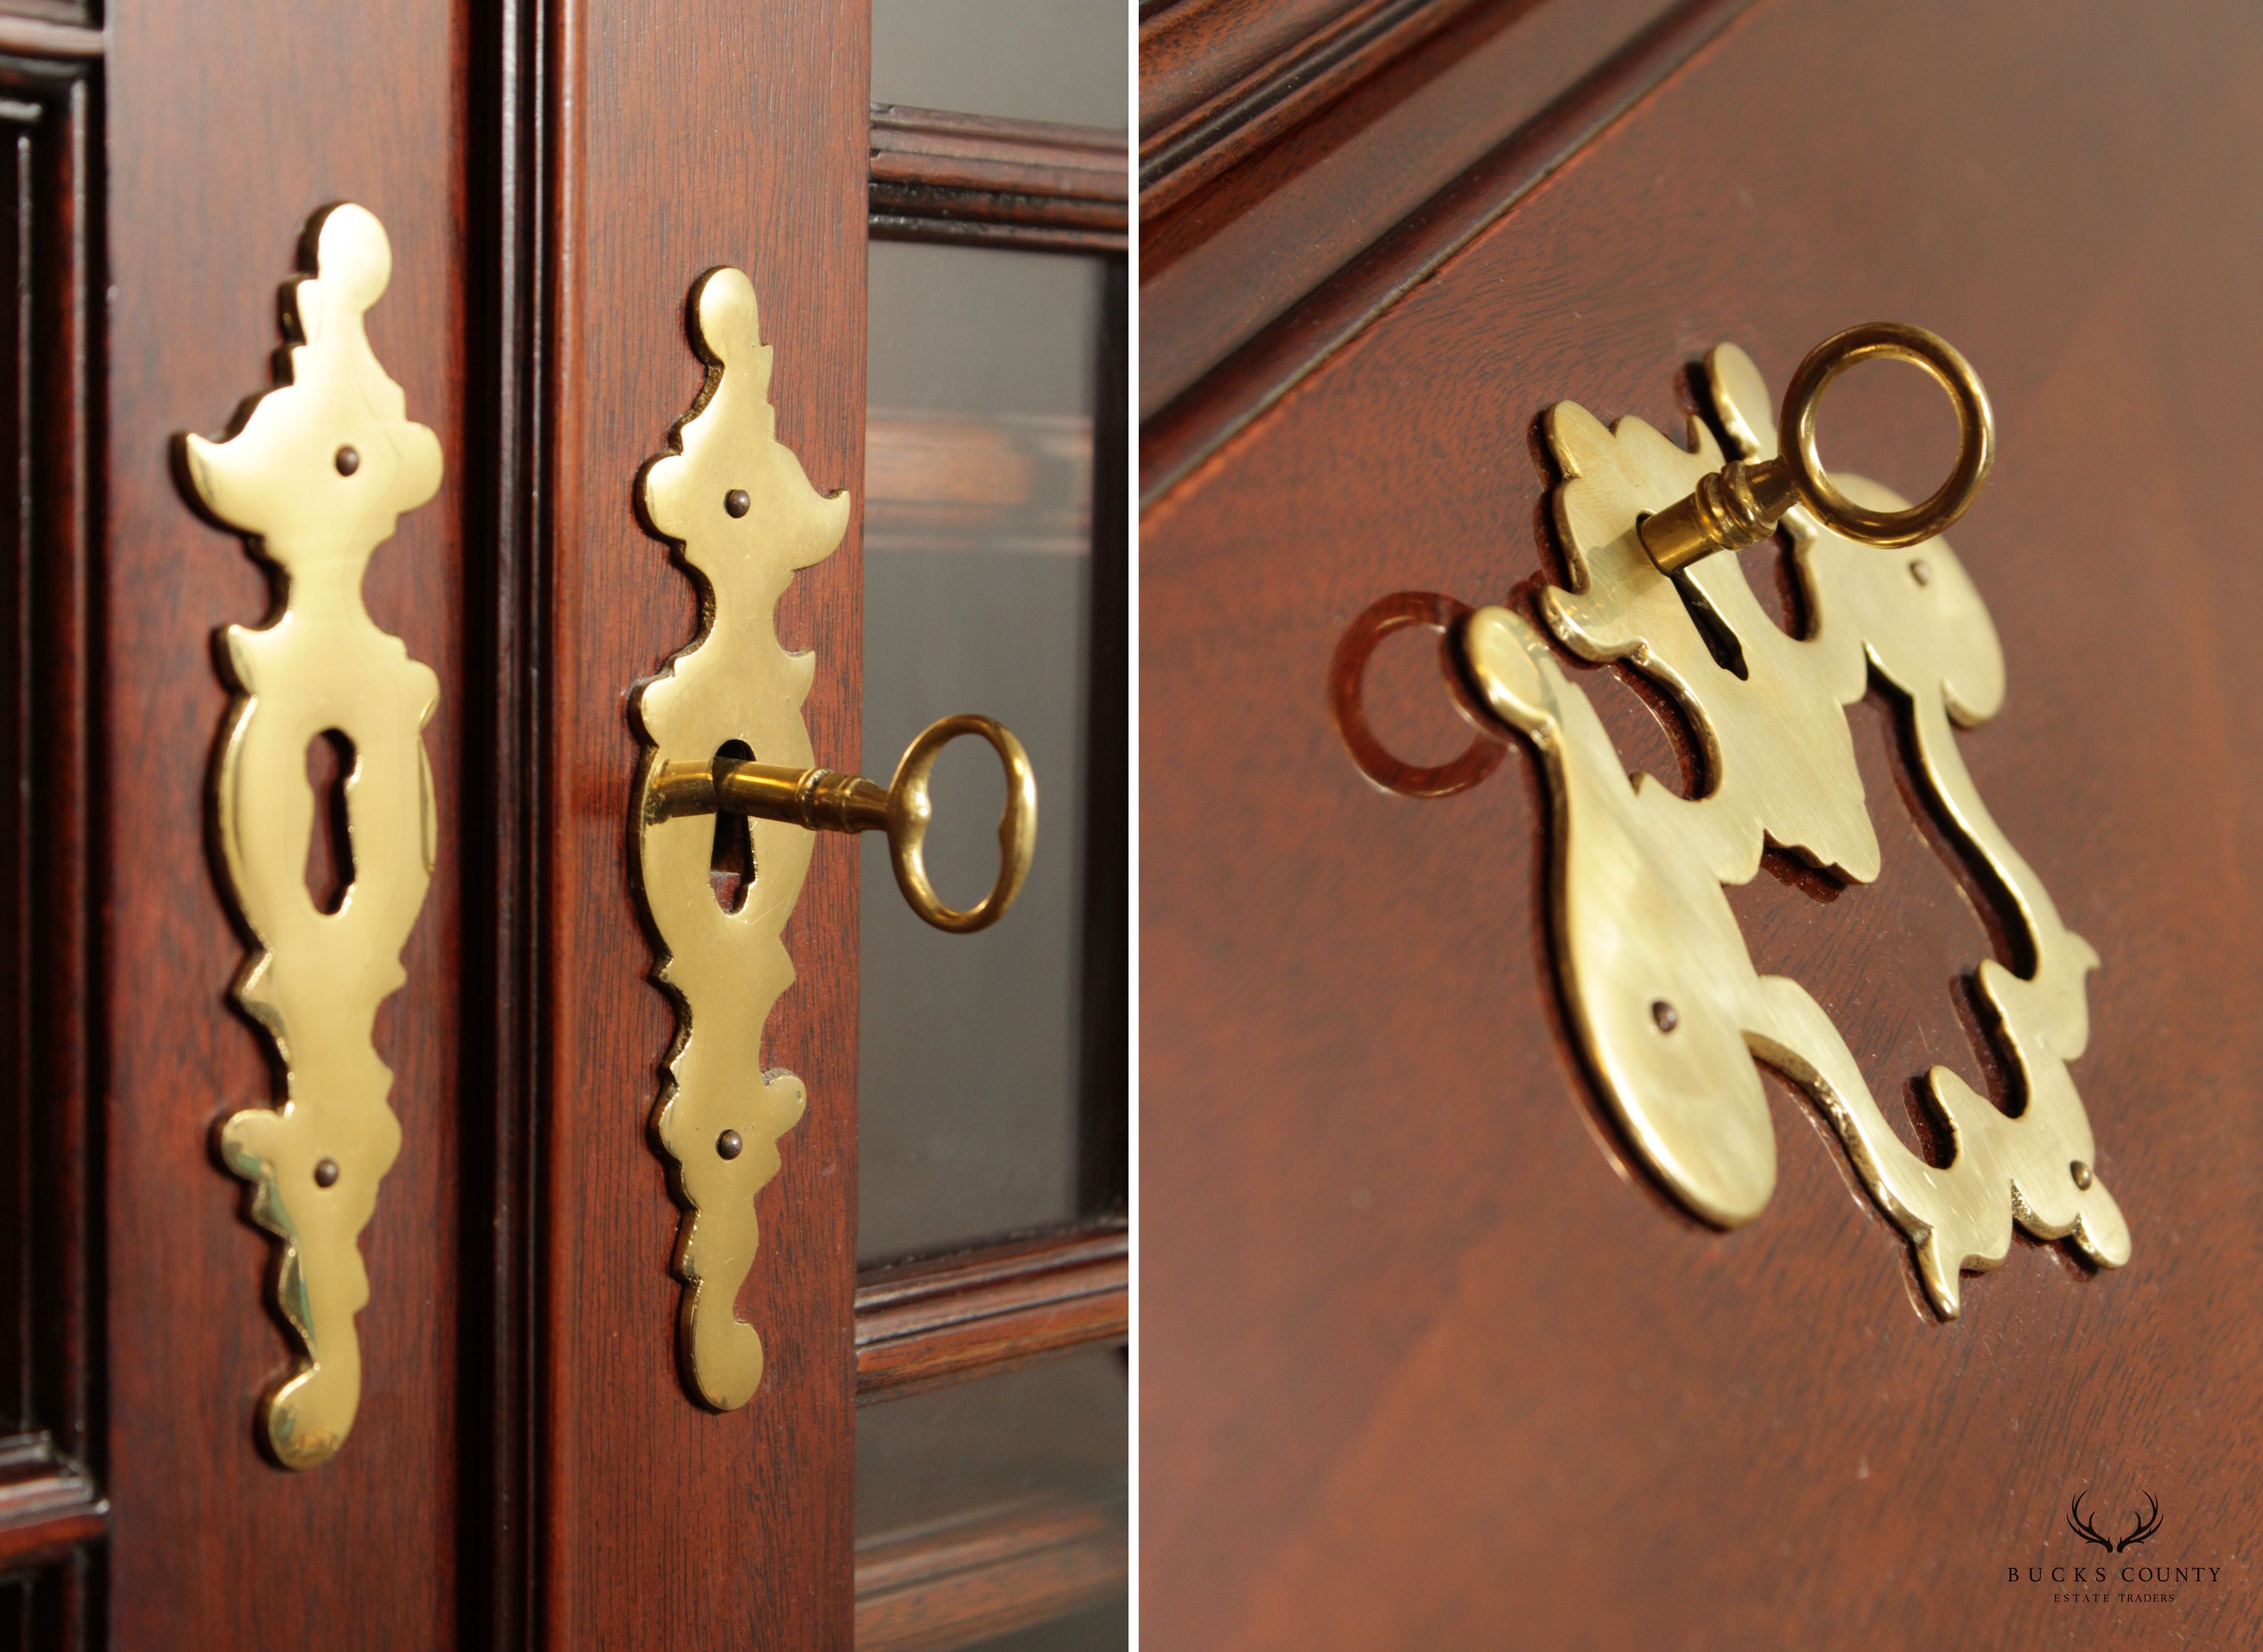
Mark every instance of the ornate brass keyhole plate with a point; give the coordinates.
(737, 503)
(315, 479)
(1661, 992)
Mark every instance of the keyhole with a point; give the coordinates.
(330, 846)
(731, 866)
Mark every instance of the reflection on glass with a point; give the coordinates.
(978, 572)
(1030, 60)
(1020, 1475)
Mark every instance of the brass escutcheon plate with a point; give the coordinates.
(1667, 1005)
(316, 477)
(736, 504)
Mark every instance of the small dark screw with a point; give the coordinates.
(348, 461)
(1666, 1016)
(1921, 571)
(326, 1173)
(728, 1145)
(2080, 1172)
(736, 501)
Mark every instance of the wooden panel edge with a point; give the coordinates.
(893, 224)
(962, 1582)
(927, 1324)
(1181, 435)
(1280, 94)
(980, 180)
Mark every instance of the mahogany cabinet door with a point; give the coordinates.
(207, 137)
(527, 1467)
(1427, 1358)
(681, 140)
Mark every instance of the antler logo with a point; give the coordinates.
(2147, 1525)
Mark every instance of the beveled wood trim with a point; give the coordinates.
(1241, 386)
(36, 37)
(1192, 51)
(925, 1324)
(936, 175)
(963, 1582)
(48, 1505)
(1195, 121)
(988, 152)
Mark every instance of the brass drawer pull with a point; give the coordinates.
(821, 800)
(1741, 503)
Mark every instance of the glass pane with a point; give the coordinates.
(978, 574)
(1032, 60)
(1059, 1430)
(1027, 1470)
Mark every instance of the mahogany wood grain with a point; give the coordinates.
(224, 127)
(1426, 1359)
(1251, 281)
(1221, 79)
(936, 175)
(921, 1325)
(682, 140)
(965, 1581)
(1194, 51)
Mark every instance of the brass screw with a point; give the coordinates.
(2080, 1172)
(728, 1145)
(326, 1173)
(1666, 1016)
(1921, 571)
(736, 503)
(348, 461)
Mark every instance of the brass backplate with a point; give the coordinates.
(743, 516)
(1665, 1002)
(316, 477)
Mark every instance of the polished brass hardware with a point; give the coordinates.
(820, 800)
(1662, 994)
(1741, 503)
(722, 1112)
(739, 508)
(316, 480)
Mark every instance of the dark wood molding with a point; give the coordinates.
(977, 178)
(963, 1582)
(924, 1324)
(1226, 393)
(1193, 51)
(505, 662)
(1220, 80)
(1238, 253)
(1104, 1027)
(48, 1504)
(50, 1126)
